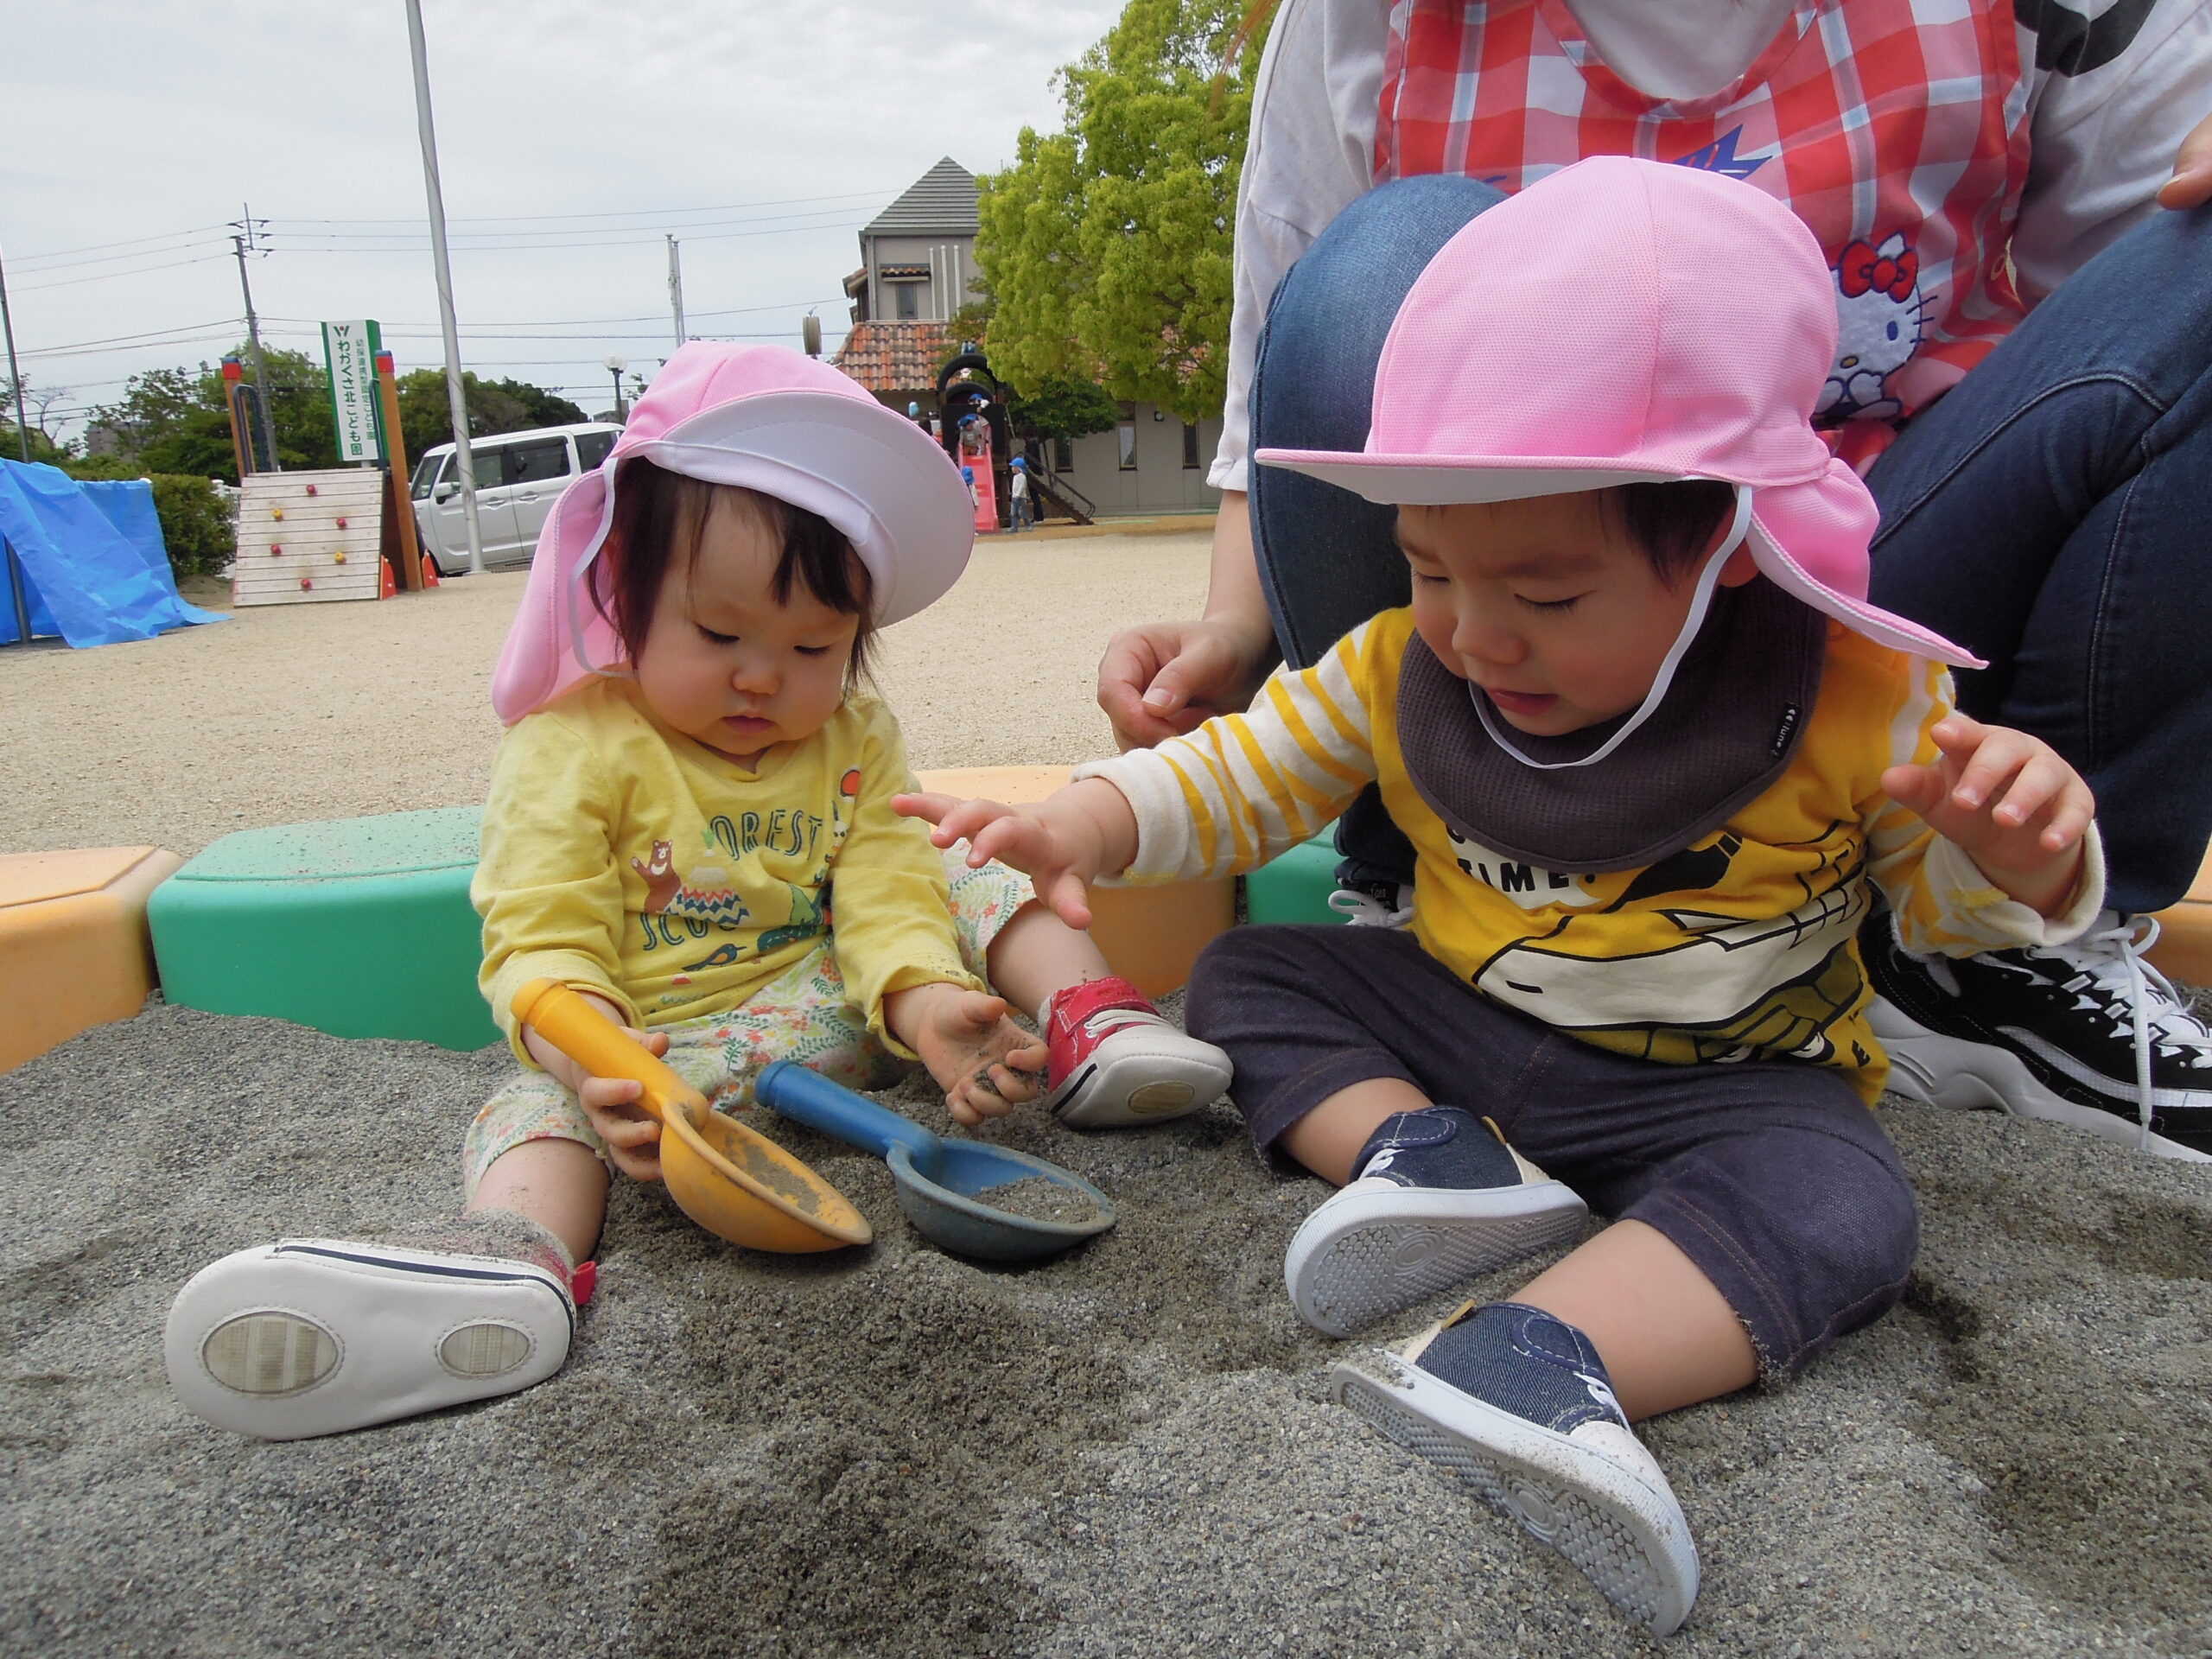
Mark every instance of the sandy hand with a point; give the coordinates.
(984, 1062)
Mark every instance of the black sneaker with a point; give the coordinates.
(1374, 904)
(1436, 1198)
(2049, 1032)
(1516, 1404)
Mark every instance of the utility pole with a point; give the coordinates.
(675, 288)
(242, 244)
(456, 394)
(23, 438)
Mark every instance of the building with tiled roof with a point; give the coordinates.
(898, 361)
(918, 256)
(917, 260)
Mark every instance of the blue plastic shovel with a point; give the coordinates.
(940, 1183)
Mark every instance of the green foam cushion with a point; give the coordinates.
(1296, 886)
(360, 927)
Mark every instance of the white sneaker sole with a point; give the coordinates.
(1376, 1247)
(1961, 1075)
(318, 1336)
(1616, 1521)
(1141, 1074)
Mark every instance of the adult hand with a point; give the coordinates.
(2191, 184)
(1161, 679)
(1166, 678)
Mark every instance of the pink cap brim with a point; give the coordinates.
(1454, 480)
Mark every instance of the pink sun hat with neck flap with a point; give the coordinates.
(769, 419)
(1626, 321)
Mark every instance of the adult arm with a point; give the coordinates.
(1158, 680)
(1309, 156)
(2118, 128)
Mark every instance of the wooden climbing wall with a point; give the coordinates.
(308, 537)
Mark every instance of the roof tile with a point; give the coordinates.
(897, 357)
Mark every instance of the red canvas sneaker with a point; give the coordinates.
(1116, 1061)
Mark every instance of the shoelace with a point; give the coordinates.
(2113, 961)
(1364, 909)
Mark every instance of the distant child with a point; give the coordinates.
(1017, 493)
(1650, 745)
(690, 822)
(974, 501)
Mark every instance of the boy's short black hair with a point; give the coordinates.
(659, 517)
(1673, 523)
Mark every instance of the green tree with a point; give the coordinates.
(39, 404)
(426, 414)
(1062, 409)
(172, 420)
(1106, 246)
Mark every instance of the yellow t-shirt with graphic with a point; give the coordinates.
(1743, 945)
(623, 858)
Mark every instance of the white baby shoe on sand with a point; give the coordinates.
(316, 1336)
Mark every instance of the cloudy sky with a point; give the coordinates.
(572, 138)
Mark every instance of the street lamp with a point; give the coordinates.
(614, 366)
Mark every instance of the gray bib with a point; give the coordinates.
(1726, 729)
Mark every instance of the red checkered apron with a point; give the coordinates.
(1897, 129)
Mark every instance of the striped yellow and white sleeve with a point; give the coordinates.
(1242, 789)
(1944, 904)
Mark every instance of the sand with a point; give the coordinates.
(1125, 1451)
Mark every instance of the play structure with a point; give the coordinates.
(315, 536)
(89, 557)
(334, 532)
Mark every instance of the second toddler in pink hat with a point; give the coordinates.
(689, 824)
(1653, 749)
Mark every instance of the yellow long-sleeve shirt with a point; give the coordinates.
(622, 858)
(1743, 945)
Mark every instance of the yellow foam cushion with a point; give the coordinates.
(1150, 936)
(74, 950)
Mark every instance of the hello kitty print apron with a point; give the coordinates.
(1896, 129)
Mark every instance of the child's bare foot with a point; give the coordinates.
(985, 1063)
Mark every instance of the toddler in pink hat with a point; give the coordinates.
(1651, 746)
(689, 824)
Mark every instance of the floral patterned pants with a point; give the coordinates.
(802, 1014)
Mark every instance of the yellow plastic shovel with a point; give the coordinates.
(733, 1181)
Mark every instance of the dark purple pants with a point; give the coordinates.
(1772, 1177)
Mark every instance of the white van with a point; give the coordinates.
(519, 475)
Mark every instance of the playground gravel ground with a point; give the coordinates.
(1127, 1451)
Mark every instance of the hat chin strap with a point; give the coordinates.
(1701, 602)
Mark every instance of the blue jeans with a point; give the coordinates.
(2052, 513)
(1771, 1175)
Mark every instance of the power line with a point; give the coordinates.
(142, 270)
(619, 213)
(95, 247)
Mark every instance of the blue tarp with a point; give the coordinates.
(95, 569)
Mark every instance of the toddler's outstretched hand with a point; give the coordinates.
(984, 1062)
(2009, 800)
(1058, 847)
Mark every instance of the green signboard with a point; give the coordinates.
(349, 352)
